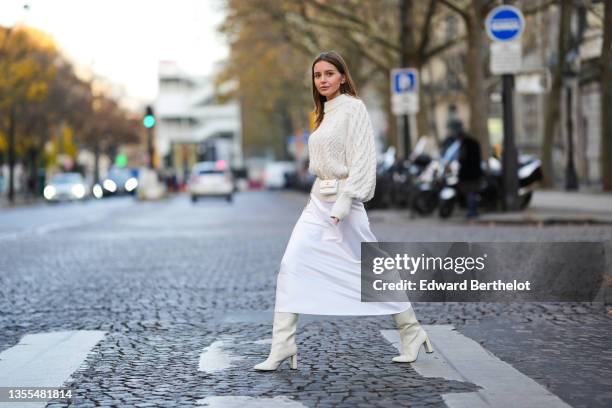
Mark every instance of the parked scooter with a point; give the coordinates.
(435, 178)
(406, 177)
(395, 180)
(490, 195)
(384, 180)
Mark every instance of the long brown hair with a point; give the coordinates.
(348, 87)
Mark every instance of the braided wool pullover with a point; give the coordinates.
(343, 145)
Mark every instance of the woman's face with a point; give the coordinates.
(327, 79)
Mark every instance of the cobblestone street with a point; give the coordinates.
(181, 295)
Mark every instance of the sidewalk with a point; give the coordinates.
(559, 207)
(20, 201)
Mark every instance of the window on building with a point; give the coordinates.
(453, 68)
(452, 29)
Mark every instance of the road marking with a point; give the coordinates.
(64, 217)
(45, 360)
(249, 402)
(65, 224)
(216, 358)
(457, 357)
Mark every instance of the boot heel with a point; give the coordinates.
(427, 344)
(293, 362)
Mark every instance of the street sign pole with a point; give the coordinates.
(407, 145)
(505, 25)
(509, 154)
(404, 102)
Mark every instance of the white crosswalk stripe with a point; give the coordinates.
(249, 402)
(45, 360)
(457, 357)
(216, 358)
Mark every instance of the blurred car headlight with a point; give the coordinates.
(49, 192)
(97, 191)
(110, 185)
(78, 190)
(131, 184)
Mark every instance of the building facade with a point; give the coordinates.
(191, 125)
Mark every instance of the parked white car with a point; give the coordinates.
(212, 178)
(274, 176)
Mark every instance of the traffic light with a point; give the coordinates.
(121, 160)
(149, 119)
(149, 123)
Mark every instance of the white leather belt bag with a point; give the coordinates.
(328, 189)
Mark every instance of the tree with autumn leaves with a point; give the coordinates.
(43, 101)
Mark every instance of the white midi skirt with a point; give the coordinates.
(320, 272)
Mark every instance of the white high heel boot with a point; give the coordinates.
(283, 342)
(412, 336)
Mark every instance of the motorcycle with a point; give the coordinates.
(490, 194)
(395, 180)
(384, 179)
(434, 181)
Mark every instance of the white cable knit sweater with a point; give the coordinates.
(343, 145)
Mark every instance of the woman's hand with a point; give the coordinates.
(335, 220)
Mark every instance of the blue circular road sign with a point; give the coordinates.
(505, 23)
(405, 80)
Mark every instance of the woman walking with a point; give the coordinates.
(320, 272)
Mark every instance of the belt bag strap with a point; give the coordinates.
(327, 184)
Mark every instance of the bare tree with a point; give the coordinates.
(552, 114)
(606, 99)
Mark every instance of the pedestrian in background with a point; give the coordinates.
(470, 171)
(320, 272)
(453, 127)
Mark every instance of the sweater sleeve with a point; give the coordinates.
(361, 162)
